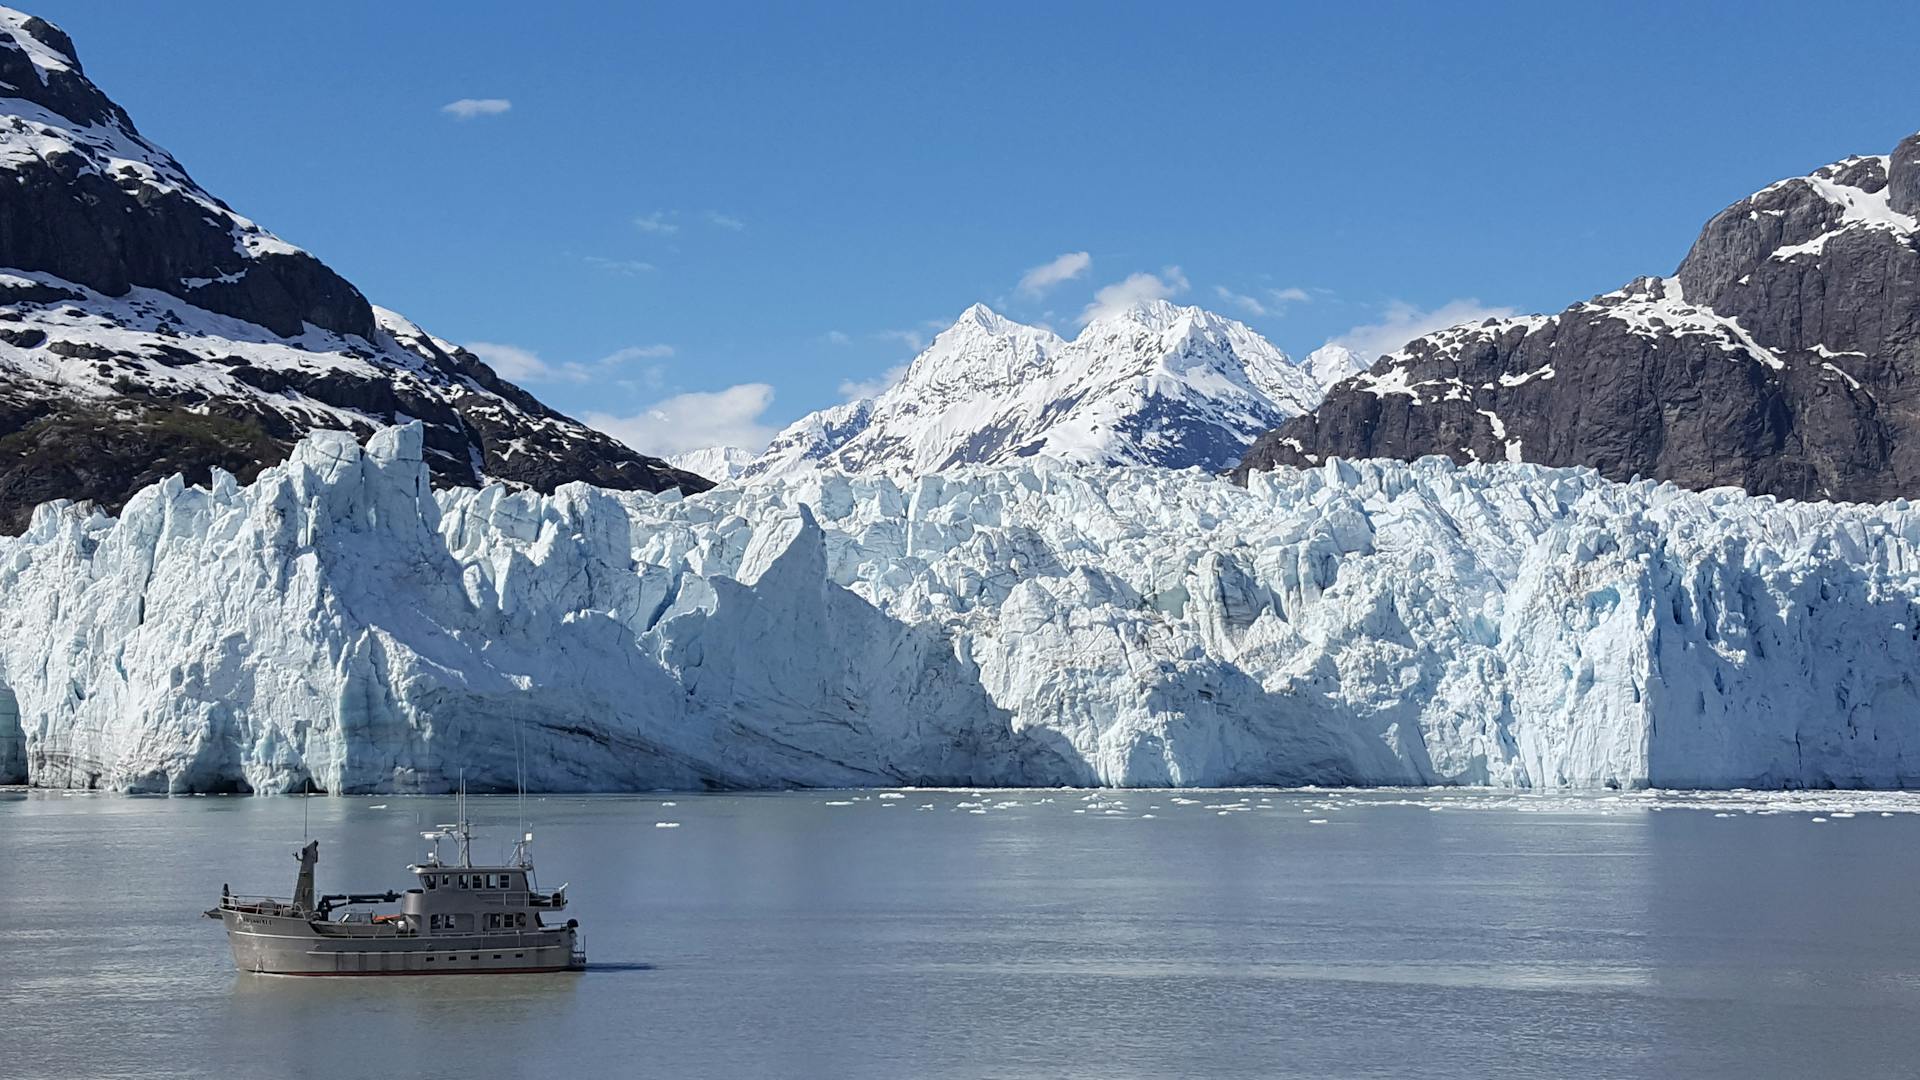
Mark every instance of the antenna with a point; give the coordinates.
(520, 776)
(463, 831)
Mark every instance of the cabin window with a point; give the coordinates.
(463, 881)
(506, 882)
(446, 879)
(493, 881)
(520, 918)
(430, 881)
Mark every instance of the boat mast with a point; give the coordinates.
(462, 830)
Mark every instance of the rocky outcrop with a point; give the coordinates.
(146, 328)
(1783, 357)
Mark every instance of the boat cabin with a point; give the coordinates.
(476, 899)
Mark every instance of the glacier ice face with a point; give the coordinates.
(337, 623)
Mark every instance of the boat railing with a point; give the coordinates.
(259, 905)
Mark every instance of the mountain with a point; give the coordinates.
(337, 624)
(146, 328)
(1330, 363)
(716, 463)
(1783, 357)
(1153, 384)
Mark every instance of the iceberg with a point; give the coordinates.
(338, 625)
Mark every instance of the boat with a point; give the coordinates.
(457, 919)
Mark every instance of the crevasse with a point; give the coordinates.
(338, 625)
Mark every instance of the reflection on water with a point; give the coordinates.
(964, 934)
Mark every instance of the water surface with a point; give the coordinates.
(1006, 934)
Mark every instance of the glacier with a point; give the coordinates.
(338, 625)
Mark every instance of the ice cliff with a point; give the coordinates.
(340, 624)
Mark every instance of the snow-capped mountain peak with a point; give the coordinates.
(1330, 363)
(1151, 383)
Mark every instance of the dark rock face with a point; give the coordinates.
(116, 369)
(111, 210)
(1783, 357)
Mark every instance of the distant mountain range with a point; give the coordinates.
(1151, 384)
(1783, 357)
(147, 329)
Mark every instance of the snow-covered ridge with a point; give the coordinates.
(716, 463)
(1856, 188)
(1153, 384)
(337, 622)
(146, 328)
(104, 144)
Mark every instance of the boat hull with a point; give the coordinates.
(282, 945)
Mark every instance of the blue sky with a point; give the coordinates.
(696, 222)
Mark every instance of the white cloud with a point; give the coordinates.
(838, 337)
(636, 352)
(1402, 322)
(516, 364)
(1245, 303)
(1292, 294)
(874, 387)
(1035, 282)
(623, 267)
(656, 223)
(726, 221)
(468, 108)
(912, 339)
(674, 425)
(1134, 289)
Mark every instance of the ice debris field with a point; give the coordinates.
(338, 625)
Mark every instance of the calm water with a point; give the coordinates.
(1409, 934)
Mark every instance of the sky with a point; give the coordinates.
(691, 224)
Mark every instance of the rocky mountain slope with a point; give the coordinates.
(338, 625)
(146, 328)
(1783, 357)
(1154, 384)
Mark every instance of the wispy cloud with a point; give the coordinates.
(912, 339)
(623, 267)
(1134, 289)
(636, 352)
(854, 389)
(730, 417)
(1036, 281)
(468, 108)
(1246, 304)
(1401, 322)
(726, 221)
(656, 223)
(1269, 302)
(837, 337)
(518, 364)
